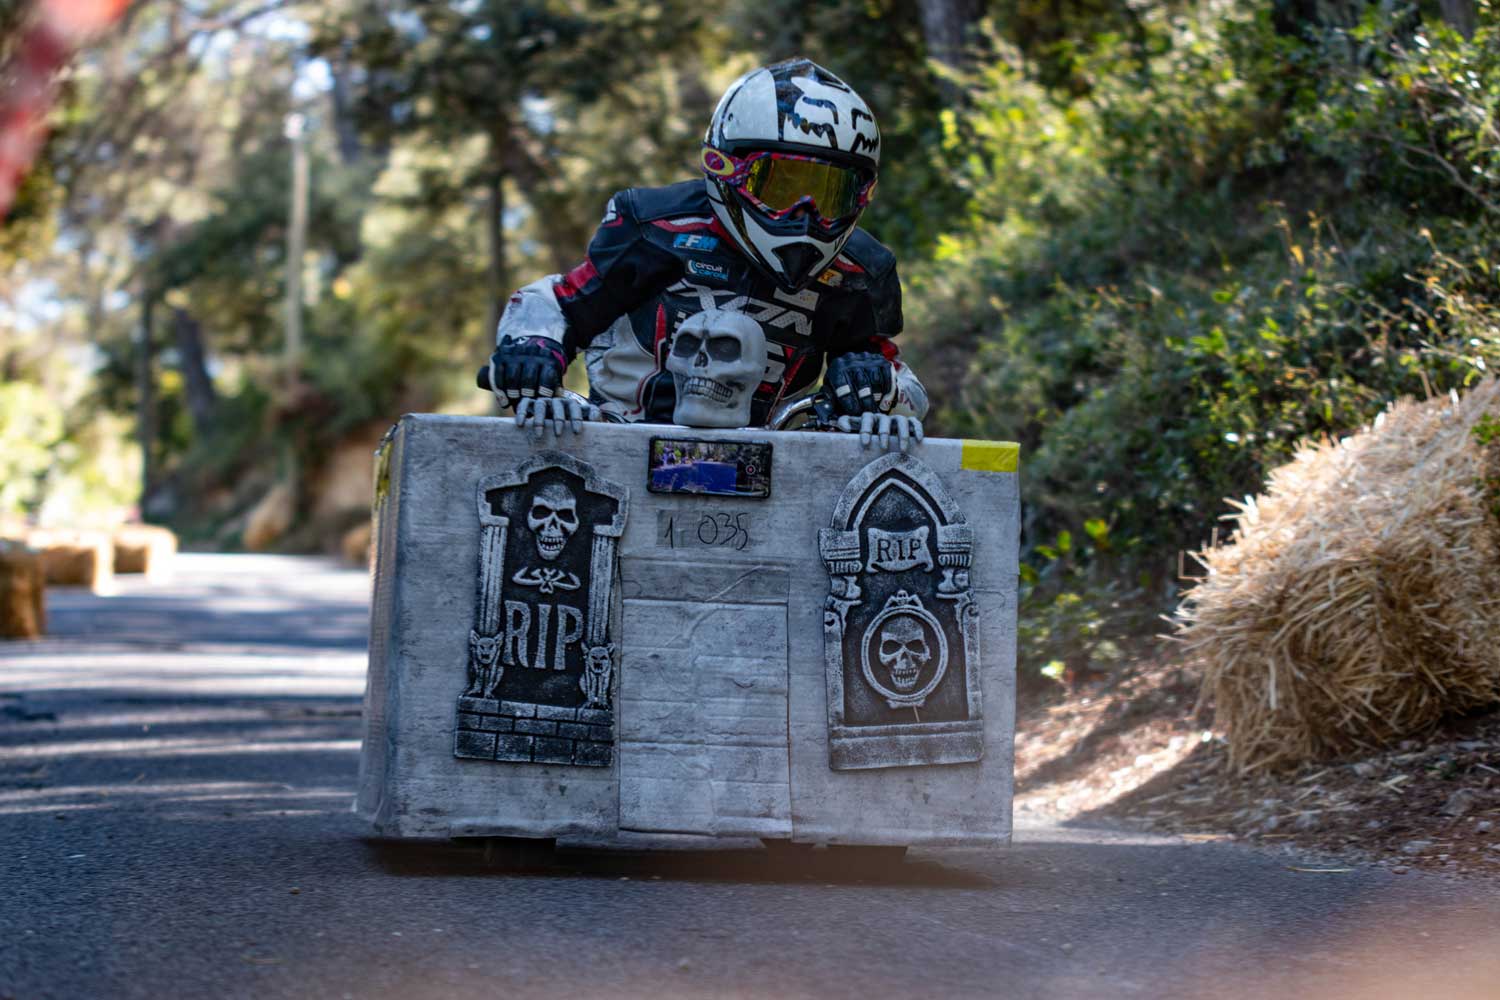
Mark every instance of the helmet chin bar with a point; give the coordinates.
(761, 245)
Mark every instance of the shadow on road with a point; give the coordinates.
(741, 865)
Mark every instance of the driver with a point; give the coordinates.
(789, 164)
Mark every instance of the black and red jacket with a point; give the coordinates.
(658, 257)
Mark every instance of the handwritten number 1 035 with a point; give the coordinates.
(720, 530)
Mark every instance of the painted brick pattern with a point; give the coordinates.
(534, 734)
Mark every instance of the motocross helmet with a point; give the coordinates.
(790, 160)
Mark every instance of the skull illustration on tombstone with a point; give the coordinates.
(553, 518)
(718, 358)
(904, 651)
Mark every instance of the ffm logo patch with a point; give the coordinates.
(696, 241)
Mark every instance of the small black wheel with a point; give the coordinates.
(519, 853)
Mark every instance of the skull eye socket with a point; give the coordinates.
(541, 511)
(686, 345)
(567, 516)
(724, 349)
(889, 648)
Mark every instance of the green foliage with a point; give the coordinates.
(1157, 244)
(1234, 242)
(58, 472)
(30, 424)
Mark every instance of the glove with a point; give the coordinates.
(857, 382)
(525, 368)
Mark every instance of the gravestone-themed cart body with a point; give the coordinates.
(649, 630)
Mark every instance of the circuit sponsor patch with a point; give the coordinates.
(695, 241)
(703, 269)
(831, 278)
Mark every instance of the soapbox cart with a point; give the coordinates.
(644, 631)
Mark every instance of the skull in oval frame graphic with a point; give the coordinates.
(905, 652)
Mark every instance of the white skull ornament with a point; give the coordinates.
(718, 358)
(553, 518)
(904, 651)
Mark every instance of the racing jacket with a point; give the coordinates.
(660, 256)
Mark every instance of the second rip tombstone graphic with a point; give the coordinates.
(645, 630)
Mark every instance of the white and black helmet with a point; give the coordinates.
(790, 158)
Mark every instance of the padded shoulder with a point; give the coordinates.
(869, 253)
(683, 198)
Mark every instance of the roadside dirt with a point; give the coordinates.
(1139, 753)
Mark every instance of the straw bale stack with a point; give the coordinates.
(269, 519)
(1360, 599)
(23, 610)
(144, 548)
(355, 545)
(76, 558)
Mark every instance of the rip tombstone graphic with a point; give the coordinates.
(900, 626)
(541, 652)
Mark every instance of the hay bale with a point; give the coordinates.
(269, 519)
(23, 609)
(76, 558)
(1359, 602)
(144, 548)
(355, 544)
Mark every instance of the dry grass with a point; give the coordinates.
(1360, 599)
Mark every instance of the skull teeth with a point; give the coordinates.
(716, 391)
(904, 677)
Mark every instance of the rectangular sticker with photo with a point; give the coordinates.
(710, 468)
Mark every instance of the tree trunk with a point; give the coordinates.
(565, 240)
(496, 286)
(201, 398)
(350, 148)
(145, 380)
(945, 28)
(1462, 16)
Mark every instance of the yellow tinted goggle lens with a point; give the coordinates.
(781, 183)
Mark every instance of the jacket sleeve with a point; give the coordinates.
(621, 270)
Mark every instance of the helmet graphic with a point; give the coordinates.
(790, 159)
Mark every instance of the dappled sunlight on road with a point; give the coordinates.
(153, 795)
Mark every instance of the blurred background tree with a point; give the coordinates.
(1157, 242)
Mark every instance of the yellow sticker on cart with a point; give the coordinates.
(991, 456)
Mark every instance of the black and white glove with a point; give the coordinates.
(526, 373)
(858, 382)
(526, 368)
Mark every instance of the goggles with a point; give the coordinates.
(779, 184)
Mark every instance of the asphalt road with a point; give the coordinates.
(176, 769)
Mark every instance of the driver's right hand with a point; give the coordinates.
(526, 368)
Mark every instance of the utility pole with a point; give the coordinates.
(296, 245)
(145, 375)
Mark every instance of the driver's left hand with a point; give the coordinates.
(858, 382)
